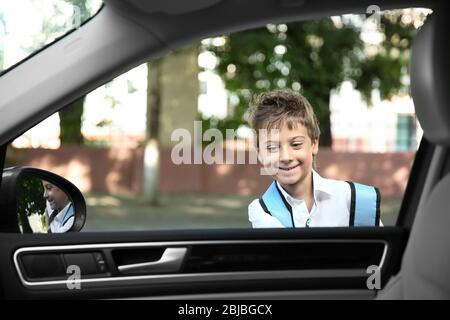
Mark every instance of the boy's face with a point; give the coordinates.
(287, 154)
(57, 198)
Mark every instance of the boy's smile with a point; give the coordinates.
(289, 168)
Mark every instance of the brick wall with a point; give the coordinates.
(121, 170)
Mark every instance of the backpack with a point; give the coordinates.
(364, 205)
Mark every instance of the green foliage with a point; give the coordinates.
(2, 34)
(84, 10)
(30, 200)
(386, 69)
(52, 28)
(312, 57)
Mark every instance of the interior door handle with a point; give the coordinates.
(170, 261)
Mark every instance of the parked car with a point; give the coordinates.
(410, 258)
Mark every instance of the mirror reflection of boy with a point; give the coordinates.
(59, 208)
(287, 144)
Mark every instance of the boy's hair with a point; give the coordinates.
(272, 110)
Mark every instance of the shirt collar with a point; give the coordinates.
(319, 184)
(62, 214)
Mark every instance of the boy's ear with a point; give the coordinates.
(315, 146)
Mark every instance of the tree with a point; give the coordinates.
(71, 115)
(70, 118)
(152, 145)
(172, 97)
(387, 67)
(312, 57)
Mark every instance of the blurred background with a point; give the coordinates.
(115, 144)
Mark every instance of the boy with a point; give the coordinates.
(59, 208)
(287, 144)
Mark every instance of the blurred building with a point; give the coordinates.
(385, 126)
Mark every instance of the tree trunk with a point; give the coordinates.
(70, 123)
(152, 152)
(325, 135)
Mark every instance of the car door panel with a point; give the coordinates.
(213, 262)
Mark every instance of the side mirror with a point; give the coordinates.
(41, 201)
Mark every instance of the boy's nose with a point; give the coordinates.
(285, 155)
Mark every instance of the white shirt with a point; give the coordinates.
(57, 225)
(331, 206)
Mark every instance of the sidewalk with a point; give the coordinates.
(182, 211)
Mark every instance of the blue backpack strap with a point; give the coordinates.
(69, 214)
(276, 205)
(364, 205)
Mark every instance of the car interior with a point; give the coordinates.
(313, 263)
